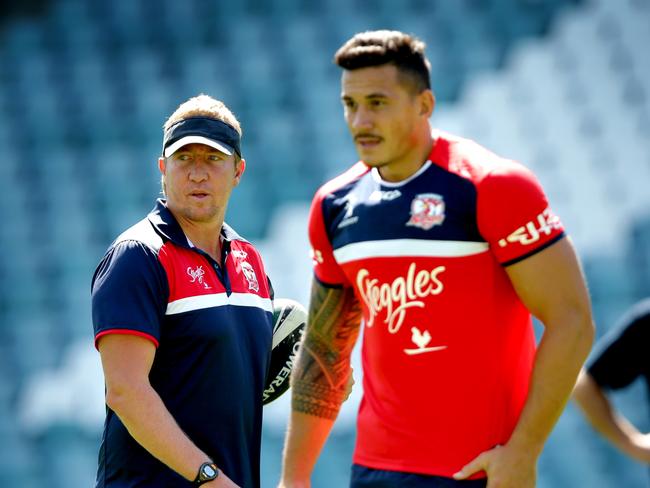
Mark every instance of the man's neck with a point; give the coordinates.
(409, 165)
(204, 236)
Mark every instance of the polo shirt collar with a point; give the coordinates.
(168, 227)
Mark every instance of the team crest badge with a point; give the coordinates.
(427, 210)
(251, 277)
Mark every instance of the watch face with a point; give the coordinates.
(209, 471)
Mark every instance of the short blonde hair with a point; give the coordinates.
(204, 106)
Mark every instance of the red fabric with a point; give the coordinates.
(513, 213)
(432, 412)
(126, 332)
(191, 275)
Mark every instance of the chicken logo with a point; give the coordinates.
(197, 276)
(421, 340)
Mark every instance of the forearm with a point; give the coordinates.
(561, 353)
(306, 437)
(145, 416)
(320, 378)
(600, 414)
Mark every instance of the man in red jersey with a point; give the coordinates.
(444, 250)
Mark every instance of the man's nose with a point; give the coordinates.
(361, 119)
(198, 171)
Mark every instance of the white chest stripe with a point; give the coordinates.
(408, 248)
(218, 300)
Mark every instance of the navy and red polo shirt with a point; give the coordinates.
(448, 347)
(212, 327)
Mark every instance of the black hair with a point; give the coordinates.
(376, 48)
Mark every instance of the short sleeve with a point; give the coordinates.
(129, 292)
(514, 215)
(621, 357)
(326, 269)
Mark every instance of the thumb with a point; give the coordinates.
(473, 467)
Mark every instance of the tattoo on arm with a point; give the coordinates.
(320, 376)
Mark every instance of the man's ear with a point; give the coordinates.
(240, 167)
(161, 165)
(427, 103)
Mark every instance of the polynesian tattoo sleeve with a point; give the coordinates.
(322, 371)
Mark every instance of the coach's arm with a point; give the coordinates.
(551, 285)
(320, 380)
(127, 361)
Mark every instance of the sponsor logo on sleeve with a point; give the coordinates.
(542, 225)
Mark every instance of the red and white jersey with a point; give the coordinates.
(448, 347)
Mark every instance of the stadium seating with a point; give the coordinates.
(85, 86)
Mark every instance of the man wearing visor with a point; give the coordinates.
(182, 317)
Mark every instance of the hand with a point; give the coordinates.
(348, 387)
(505, 466)
(640, 448)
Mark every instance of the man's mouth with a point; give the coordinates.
(367, 141)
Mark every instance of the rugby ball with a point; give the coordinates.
(289, 319)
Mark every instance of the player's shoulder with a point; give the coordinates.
(133, 253)
(143, 233)
(638, 316)
(469, 159)
(340, 182)
(239, 245)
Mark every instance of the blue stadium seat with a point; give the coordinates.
(73, 454)
(86, 86)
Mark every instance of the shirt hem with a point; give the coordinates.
(126, 332)
(534, 251)
(411, 468)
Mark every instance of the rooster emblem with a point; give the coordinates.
(421, 340)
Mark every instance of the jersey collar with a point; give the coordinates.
(168, 227)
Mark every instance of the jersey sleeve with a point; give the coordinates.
(129, 292)
(326, 269)
(621, 356)
(514, 215)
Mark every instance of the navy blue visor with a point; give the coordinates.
(201, 130)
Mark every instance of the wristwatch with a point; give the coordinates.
(207, 472)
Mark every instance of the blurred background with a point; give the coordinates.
(85, 86)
